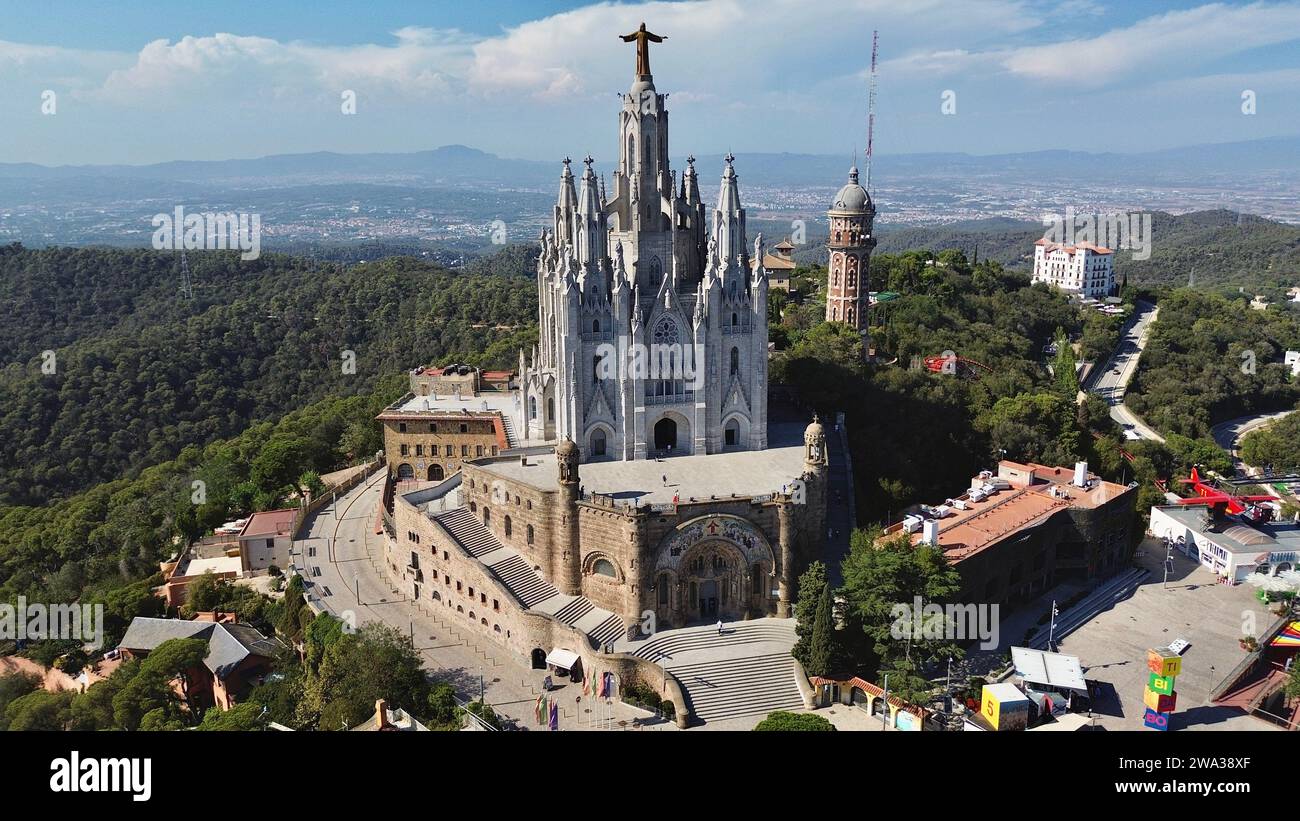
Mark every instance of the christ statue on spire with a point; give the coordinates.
(643, 40)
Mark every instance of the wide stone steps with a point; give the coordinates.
(574, 610)
(678, 641)
(1105, 596)
(607, 631)
(523, 581)
(732, 688)
(468, 531)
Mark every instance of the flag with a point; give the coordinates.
(586, 684)
(555, 715)
(537, 708)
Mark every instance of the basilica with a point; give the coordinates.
(650, 276)
(639, 485)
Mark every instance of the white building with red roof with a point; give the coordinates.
(1082, 268)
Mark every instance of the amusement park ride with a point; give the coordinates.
(959, 365)
(1222, 502)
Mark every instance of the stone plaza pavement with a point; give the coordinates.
(1112, 645)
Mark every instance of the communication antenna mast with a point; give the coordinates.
(187, 290)
(871, 108)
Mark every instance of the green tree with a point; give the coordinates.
(243, 717)
(882, 583)
(822, 656)
(38, 710)
(1065, 377)
(811, 584)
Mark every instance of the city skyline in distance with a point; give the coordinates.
(986, 77)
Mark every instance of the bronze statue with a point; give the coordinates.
(643, 40)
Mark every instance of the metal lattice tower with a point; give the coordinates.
(187, 290)
(871, 108)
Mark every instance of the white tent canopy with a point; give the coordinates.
(564, 659)
(1048, 669)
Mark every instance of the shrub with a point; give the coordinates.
(795, 722)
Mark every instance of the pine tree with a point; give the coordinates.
(821, 652)
(811, 585)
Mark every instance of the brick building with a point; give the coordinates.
(1021, 531)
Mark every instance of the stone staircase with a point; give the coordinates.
(512, 440)
(748, 670)
(529, 587)
(526, 584)
(1115, 589)
(468, 531)
(732, 688)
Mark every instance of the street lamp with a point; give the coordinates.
(1051, 630)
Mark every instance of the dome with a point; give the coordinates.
(566, 449)
(852, 197)
(814, 431)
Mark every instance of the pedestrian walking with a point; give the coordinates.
(719, 627)
(665, 477)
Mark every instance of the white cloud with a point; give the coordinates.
(422, 61)
(1165, 42)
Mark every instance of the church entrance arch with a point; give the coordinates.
(717, 582)
(665, 434)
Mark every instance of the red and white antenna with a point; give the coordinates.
(871, 107)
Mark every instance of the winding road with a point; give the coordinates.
(1113, 380)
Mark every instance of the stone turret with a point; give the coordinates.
(568, 559)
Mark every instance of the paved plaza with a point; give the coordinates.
(1112, 645)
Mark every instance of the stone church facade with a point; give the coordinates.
(648, 271)
(605, 535)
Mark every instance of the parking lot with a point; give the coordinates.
(1210, 616)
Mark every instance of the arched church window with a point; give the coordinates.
(656, 272)
(595, 326)
(529, 534)
(604, 567)
(631, 154)
(735, 361)
(532, 407)
(508, 527)
(735, 320)
(666, 332)
(598, 443)
(849, 315)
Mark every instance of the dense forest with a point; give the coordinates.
(1277, 445)
(1210, 359)
(104, 544)
(918, 435)
(138, 373)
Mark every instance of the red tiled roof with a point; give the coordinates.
(269, 523)
(1070, 249)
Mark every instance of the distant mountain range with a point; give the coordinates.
(461, 165)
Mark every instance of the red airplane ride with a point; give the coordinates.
(1222, 502)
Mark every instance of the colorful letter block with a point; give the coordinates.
(1161, 684)
(1164, 662)
(1155, 720)
(1159, 702)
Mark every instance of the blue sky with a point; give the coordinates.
(148, 82)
